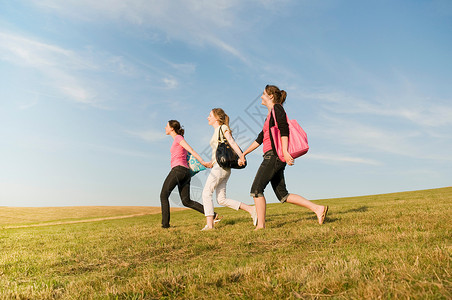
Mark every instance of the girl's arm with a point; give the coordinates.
(250, 149)
(232, 142)
(255, 144)
(187, 147)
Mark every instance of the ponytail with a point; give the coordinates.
(222, 117)
(176, 126)
(279, 96)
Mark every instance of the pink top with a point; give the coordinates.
(267, 144)
(178, 153)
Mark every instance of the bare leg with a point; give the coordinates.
(301, 201)
(246, 207)
(261, 207)
(251, 210)
(209, 221)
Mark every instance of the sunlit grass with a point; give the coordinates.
(383, 246)
(10, 216)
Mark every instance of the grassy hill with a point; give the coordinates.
(13, 217)
(382, 246)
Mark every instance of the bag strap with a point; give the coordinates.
(219, 140)
(270, 132)
(274, 118)
(276, 124)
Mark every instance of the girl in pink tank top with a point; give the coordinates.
(180, 173)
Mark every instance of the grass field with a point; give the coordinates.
(388, 246)
(13, 217)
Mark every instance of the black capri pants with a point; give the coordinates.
(271, 170)
(178, 176)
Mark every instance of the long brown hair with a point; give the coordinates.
(176, 126)
(279, 96)
(222, 117)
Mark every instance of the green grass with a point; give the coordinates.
(23, 216)
(374, 247)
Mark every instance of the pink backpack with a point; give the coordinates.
(298, 140)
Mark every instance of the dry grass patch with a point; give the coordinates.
(16, 216)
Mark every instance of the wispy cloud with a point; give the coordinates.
(57, 64)
(186, 68)
(420, 111)
(195, 22)
(372, 139)
(170, 83)
(343, 159)
(78, 75)
(26, 51)
(398, 95)
(354, 133)
(225, 47)
(150, 135)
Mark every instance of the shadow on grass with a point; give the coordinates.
(359, 209)
(233, 221)
(328, 219)
(277, 224)
(301, 218)
(294, 216)
(230, 221)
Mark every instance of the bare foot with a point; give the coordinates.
(322, 215)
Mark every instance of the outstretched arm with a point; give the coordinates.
(250, 149)
(187, 147)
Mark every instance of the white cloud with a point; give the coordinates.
(170, 83)
(420, 111)
(356, 136)
(57, 64)
(78, 93)
(28, 105)
(150, 135)
(25, 51)
(353, 133)
(77, 76)
(343, 159)
(186, 68)
(225, 47)
(120, 65)
(192, 21)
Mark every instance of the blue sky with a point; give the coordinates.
(87, 87)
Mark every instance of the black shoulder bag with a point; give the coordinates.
(226, 156)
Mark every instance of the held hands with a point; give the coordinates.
(288, 158)
(207, 164)
(242, 160)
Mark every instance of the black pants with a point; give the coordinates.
(271, 170)
(178, 176)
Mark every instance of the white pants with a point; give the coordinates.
(216, 182)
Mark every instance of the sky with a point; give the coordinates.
(87, 88)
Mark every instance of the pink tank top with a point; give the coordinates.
(178, 153)
(267, 144)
